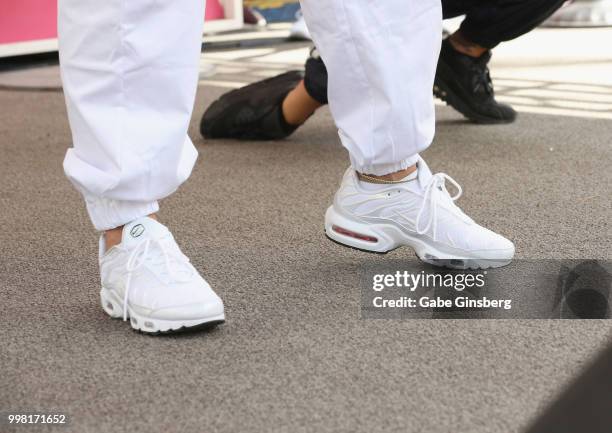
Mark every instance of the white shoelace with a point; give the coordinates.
(138, 258)
(435, 193)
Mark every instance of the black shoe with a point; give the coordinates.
(253, 112)
(464, 83)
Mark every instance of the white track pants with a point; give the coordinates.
(130, 72)
(381, 60)
(130, 67)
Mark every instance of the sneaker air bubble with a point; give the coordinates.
(355, 235)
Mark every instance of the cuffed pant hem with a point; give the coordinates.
(475, 36)
(382, 169)
(108, 214)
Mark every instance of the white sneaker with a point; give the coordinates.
(147, 279)
(419, 213)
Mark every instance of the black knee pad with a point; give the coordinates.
(315, 79)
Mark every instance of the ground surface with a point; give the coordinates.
(294, 354)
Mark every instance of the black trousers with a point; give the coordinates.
(486, 23)
(489, 22)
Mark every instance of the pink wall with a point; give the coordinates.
(28, 20)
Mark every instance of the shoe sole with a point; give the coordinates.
(113, 306)
(383, 238)
(455, 96)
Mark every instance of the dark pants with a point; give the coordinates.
(489, 22)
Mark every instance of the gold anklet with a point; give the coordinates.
(370, 179)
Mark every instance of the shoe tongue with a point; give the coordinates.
(141, 229)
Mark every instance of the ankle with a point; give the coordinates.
(463, 45)
(113, 237)
(298, 105)
(397, 176)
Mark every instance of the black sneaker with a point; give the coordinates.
(253, 112)
(464, 83)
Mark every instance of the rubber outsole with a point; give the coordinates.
(207, 326)
(113, 306)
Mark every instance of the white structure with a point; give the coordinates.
(233, 21)
(583, 13)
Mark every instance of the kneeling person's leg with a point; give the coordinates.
(487, 23)
(270, 109)
(462, 78)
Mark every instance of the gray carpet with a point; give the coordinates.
(294, 355)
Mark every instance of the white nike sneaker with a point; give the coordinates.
(147, 279)
(419, 213)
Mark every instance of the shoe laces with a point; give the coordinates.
(435, 194)
(142, 253)
(481, 77)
